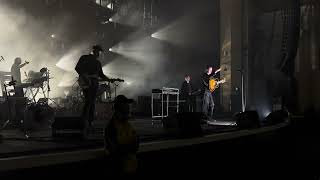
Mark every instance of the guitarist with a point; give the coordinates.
(208, 103)
(187, 95)
(90, 72)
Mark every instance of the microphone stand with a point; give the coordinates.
(243, 105)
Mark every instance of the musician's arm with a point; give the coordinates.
(218, 70)
(101, 74)
(22, 65)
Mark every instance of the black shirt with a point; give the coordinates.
(186, 88)
(88, 64)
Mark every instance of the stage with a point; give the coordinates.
(41, 149)
(16, 144)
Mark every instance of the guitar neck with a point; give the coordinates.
(221, 82)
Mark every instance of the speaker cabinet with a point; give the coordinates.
(247, 120)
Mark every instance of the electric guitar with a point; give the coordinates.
(214, 83)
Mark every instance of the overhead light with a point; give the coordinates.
(110, 6)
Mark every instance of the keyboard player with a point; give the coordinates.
(16, 75)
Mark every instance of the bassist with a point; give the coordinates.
(187, 94)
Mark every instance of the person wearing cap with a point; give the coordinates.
(208, 103)
(121, 140)
(90, 72)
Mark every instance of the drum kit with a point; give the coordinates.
(74, 98)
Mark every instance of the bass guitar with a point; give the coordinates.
(85, 81)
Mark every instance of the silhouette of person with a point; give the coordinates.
(16, 75)
(90, 71)
(187, 94)
(121, 140)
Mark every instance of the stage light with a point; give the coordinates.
(110, 6)
(53, 36)
(153, 35)
(110, 49)
(128, 83)
(110, 20)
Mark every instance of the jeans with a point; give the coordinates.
(208, 104)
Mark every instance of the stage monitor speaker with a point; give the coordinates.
(247, 120)
(184, 125)
(277, 117)
(68, 126)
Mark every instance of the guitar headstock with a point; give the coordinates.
(116, 80)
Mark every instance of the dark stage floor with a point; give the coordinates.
(16, 144)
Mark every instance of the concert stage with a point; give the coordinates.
(41, 150)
